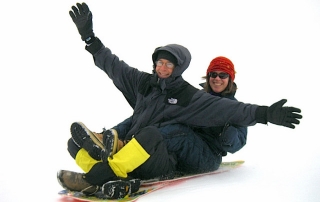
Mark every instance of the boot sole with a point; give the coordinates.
(79, 128)
(105, 145)
(114, 144)
(116, 189)
(120, 188)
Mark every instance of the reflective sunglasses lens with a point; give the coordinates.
(213, 74)
(223, 75)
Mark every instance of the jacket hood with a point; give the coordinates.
(180, 52)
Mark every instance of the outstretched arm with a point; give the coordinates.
(220, 111)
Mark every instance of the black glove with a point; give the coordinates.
(279, 115)
(82, 17)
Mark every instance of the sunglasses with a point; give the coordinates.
(221, 75)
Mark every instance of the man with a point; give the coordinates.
(158, 100)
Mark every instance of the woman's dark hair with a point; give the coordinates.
(230, 89)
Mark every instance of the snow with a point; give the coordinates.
(48, 81)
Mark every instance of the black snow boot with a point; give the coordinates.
(81, 136)
(120, 188)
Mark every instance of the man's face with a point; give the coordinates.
(164, 68)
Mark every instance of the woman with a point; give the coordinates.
(204, 155)
(220, 77)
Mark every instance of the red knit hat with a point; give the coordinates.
(222, 64)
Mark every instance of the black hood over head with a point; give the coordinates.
(166, 55)
(182, 55)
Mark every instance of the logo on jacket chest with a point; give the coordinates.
(172, 101)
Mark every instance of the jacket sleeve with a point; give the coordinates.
(217, 112)
(233, 138)
(124, 77)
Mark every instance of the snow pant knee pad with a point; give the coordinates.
(131, 156)
(100, 173)
(73, 149)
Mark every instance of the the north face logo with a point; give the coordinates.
(172, 101)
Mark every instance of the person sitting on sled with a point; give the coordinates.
(186, 143)
(158, 99)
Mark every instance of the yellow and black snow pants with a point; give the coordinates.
(145, 156)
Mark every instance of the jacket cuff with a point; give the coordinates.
(95, 46)
(261, 114)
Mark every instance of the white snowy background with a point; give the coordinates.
(48, 81)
